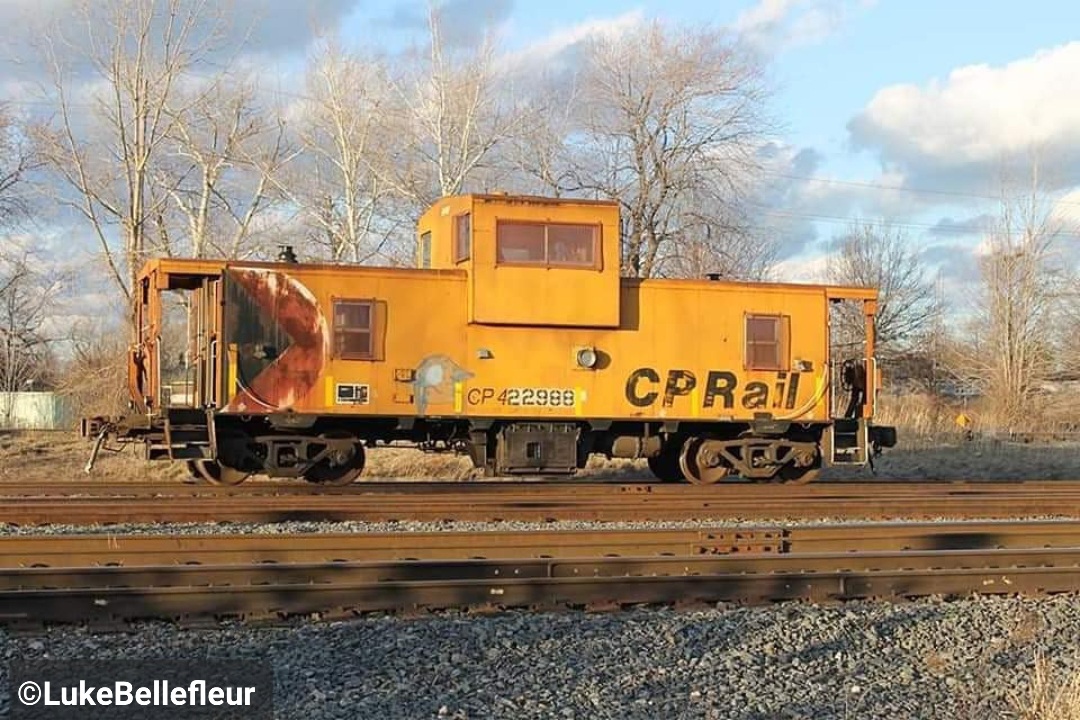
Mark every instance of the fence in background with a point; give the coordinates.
(36, 411)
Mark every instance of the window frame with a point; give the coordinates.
(781, 324)
(460, 257)
(597, 246)
(336, 331)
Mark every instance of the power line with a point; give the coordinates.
(896, 188)
(837, 219)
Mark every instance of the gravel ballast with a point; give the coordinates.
(359, 527)
(925, 659)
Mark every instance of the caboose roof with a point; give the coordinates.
(179, 273)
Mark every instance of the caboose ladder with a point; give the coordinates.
(187, 435)
(846, 442)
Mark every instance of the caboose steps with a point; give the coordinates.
(186, 436)
(845, 442)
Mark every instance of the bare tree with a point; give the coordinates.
(27, 293)
(115, 77)
(881, 256)
(343, 134)
(454, 110)
(18, 159)
(541, 153)
(1022, 283)
(223, 148)
(668, 124)
(94, 375)
(720, 242)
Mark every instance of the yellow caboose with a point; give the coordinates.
(514, 340)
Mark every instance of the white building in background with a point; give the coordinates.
(36, 411)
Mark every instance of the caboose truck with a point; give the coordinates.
(515, 341)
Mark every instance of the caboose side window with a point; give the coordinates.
(353, 329)
(425, 250)
(547, 244)
(764, 342)
(462, 237)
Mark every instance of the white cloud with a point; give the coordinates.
(260, 26)
(568, 38)
(773, 25)
(766, 14)
(1067, 211)
(802, 270)
(980, 116)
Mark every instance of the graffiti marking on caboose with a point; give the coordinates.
(721, 388)
(438, 380)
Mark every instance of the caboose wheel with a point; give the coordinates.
(338, 468)
(700, 465)
(665, 466)
(215, 473)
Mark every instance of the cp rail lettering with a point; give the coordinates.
(721, 389)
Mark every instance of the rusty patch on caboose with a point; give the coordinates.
(281, 337)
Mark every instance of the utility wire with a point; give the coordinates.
(896, 188)
(837, 219)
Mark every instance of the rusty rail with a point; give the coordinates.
(532, 489)
(119, 578)
(276, 591)
(129, 550)
(536, 502)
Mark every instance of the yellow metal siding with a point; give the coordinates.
(681, 332)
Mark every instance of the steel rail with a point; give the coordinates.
(539, 489)
(216, 549)
(124, 594)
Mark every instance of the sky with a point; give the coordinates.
(900, 111)
(909, 112)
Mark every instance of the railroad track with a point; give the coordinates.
(264, 577)
(106, 550)
(545, 502)
(533, 488)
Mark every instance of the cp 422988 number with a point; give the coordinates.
(523, 397)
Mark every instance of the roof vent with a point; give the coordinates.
(714, 276)
(286, 254)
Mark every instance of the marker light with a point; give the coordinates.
(586, 358)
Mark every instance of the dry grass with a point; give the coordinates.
(922, 418)
(60, 457)
(1051, 696)
(931, 445)
(1029, 627)
(409, 463)
(938, 662)
(95, 381)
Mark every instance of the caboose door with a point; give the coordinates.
(274, 339)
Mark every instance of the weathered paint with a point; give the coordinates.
(281, 335)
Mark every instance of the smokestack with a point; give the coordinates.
(286, 254)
